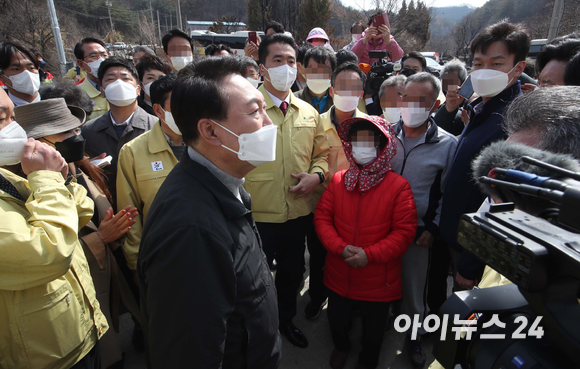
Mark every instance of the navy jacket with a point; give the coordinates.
(207, 296)
(462, 194)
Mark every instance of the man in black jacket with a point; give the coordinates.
(207, 296)
(498, 54)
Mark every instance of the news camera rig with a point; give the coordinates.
(380, 71)
(541, 256)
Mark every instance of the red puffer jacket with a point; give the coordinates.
(382, 220)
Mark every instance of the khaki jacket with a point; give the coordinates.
(143, 165)
(101, 104)
(301, 146)
(49, 313)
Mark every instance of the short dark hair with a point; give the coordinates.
(68, 90)
(516, 38)
(79, 52)
(213, 48)
(302, 49)
(171, 34)
(563, 51)
(377, 12)
(249, 62)
(161, 87)
(8, 48)
(117, 61)
(320, 54)
(345, 56)
(277, 26)
(572, 73)
(198, 93)
(416, 55)
(152, 62)
(275, 38)
(356, 24)
(348, 66)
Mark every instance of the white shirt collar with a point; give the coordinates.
(18, 101)
(120, 124)
(276, 100)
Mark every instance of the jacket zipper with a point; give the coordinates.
(408, 153)
(354, 238)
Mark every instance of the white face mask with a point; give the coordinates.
(254, 82)
(356, 36)
(282, 77)
(26, 82)
(318, 86)
(171, 122)
(147, 88)
(415, 115)
(95, 67)
(179, 62)
(256, 148)
(392, 115)
(490, 82)
(362, 153)
(345, 103)
(12, 140)
(121, 93)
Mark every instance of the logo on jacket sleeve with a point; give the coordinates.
(157, 166)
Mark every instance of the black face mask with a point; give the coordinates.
(72, 149)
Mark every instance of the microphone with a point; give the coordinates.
(531, 179)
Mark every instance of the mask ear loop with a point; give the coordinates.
(224, 146)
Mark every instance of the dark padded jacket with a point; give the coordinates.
(208, 298)
(462, 194)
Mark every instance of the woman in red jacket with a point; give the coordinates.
(366, 219)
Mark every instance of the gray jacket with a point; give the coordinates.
(101, 137)
(425, 167)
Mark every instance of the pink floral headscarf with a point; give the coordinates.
(373, 173)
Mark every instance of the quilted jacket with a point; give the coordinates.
(381, 220)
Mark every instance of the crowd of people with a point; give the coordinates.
(185, 191)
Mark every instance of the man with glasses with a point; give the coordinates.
(90, 53)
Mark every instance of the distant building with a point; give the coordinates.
(204, 25)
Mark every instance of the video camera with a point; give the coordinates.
(380, 71)
(542, 258)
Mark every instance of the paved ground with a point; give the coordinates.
(394, 353)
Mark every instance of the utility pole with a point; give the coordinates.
(170, 20)
(166, 26)
(151, 10)
(556, 18)
(108, 4)
(179, 21)
(158, 25)
(57, 38)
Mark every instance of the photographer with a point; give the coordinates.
(376, 39)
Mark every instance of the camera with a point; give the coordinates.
(539, 314)
(380, 71)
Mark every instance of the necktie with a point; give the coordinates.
(9, 188)
(284, 107)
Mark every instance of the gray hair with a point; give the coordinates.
(554, 112)
(249, 62)
(393, 81)
(426, 77)
(143, 49)
(455, 65)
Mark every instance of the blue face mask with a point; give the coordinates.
(42, 64)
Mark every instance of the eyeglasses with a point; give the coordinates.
(95, 56)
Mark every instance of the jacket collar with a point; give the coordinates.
(21, 184)
(431, 136)
(156, 140)
(270, 104)
(231, 206)
(89, 88)
(139, 121)
(498, 102)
